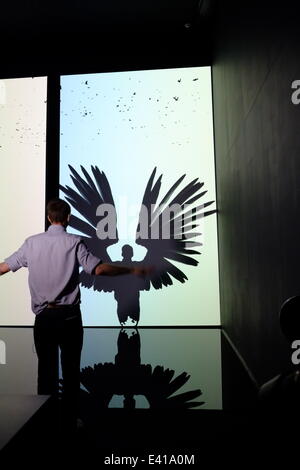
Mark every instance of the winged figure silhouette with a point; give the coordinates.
(166, 229)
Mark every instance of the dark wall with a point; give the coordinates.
(257, 143)
(56, 38)
(53, 37)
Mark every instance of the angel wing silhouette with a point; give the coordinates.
(165, 229)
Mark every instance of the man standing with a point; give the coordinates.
(53, 259)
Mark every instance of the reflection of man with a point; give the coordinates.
(53, 259)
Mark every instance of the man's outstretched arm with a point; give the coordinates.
(105, 269)
(4, 268)
(86, 259)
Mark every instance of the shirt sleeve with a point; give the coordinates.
(86, 259)
(18, 259)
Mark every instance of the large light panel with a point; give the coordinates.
(22, 190)
(126, 124)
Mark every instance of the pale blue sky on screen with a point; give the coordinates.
(127, 123)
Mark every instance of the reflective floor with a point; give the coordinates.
(193, 368)
(157, 390)
(139, 368)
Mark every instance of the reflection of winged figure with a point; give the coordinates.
(165, 229)
(129, 377)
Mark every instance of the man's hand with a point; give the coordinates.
(142, 271)
(105, 269)
(4, 268)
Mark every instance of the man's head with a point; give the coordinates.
(58, 212)
(127, 252)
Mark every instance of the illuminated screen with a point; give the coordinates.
(22, 189)
(137, 167)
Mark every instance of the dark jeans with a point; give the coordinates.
(56, 328)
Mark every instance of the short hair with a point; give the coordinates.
(58, 210)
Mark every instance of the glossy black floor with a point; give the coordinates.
(168, 392)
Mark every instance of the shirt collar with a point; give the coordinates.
(56, 228)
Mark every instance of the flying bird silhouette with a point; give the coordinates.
(165, 229)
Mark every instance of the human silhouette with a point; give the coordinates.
(127, 294)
